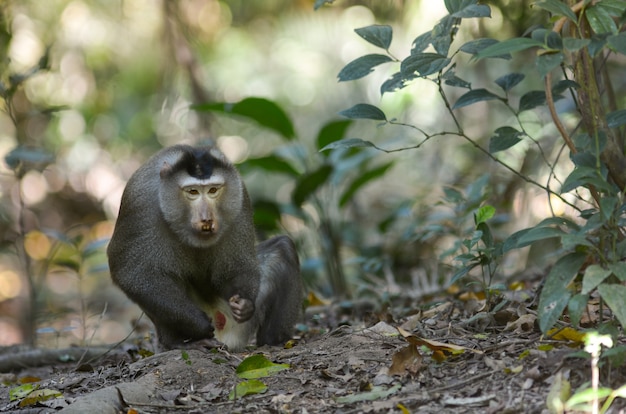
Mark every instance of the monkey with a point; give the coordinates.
(183, 249)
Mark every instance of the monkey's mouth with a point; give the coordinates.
(208, 227)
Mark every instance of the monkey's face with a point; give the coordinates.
(202, 199)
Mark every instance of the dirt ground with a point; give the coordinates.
(483, 362)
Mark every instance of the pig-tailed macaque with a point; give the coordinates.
(184, 250)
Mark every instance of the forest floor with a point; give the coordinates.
(452, 356)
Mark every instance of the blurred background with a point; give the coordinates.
(94, 87)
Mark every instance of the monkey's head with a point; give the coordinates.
(200, 195)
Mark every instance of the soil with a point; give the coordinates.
(483, 362)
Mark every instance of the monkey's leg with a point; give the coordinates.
(279, 303)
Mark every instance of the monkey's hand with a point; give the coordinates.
(242, 308)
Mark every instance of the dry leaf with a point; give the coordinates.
(440, 350)
(407, 360)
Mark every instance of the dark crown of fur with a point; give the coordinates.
(198, 163)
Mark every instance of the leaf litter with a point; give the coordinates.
(439, 354)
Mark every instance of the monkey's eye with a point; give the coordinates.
(193, 191)
(213, 190)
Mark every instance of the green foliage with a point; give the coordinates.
(327, 182)
(594, 243)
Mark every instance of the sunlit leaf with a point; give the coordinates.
(250, 387)
(567, 334)
(362, 180)
(40, 395)
(265, 112)
(615, 297)
(378, 35)
(362, 66)
(516, 44)
(348, 143)
(364, 111)
(484, 213)
(600, 19)
(309, 183)
(504, 138)
(555, 294)
(332, 132)
(473, 96)
(22, 391)
(508, 81)
(257, 366)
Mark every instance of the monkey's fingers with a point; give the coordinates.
(242, 308)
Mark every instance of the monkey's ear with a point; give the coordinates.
(166, 170)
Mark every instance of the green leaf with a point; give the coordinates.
(585, 396)
(395, 82)
(378, 35)
(309, 183)
(266, 214)
(516, 44)
(505, 137)
(619, 270)
(555, 295)
(474, 46)
(616, 118)
(576, 307)
(332, 132)
(362, 66)
(348, 143)
(532, 100)
(573, 44)
(473, 96)
(473, 10)
(257, 366)
(270, 163)
(512, 242)
(618, 43)
(548, 61)
(594, 275)
(600, 19)
(558, 8)
(265, 112)
(585, 177)
(247, 388)
(21, 391)
(360, 181)
(423, 64)
(615, 298)
(508, 81)
(364, 111)
(540, 233)
(483, 214)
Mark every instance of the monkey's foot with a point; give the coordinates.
(242, 308)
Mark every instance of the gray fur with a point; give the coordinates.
(176, 276)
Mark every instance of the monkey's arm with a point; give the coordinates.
(175, 315)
